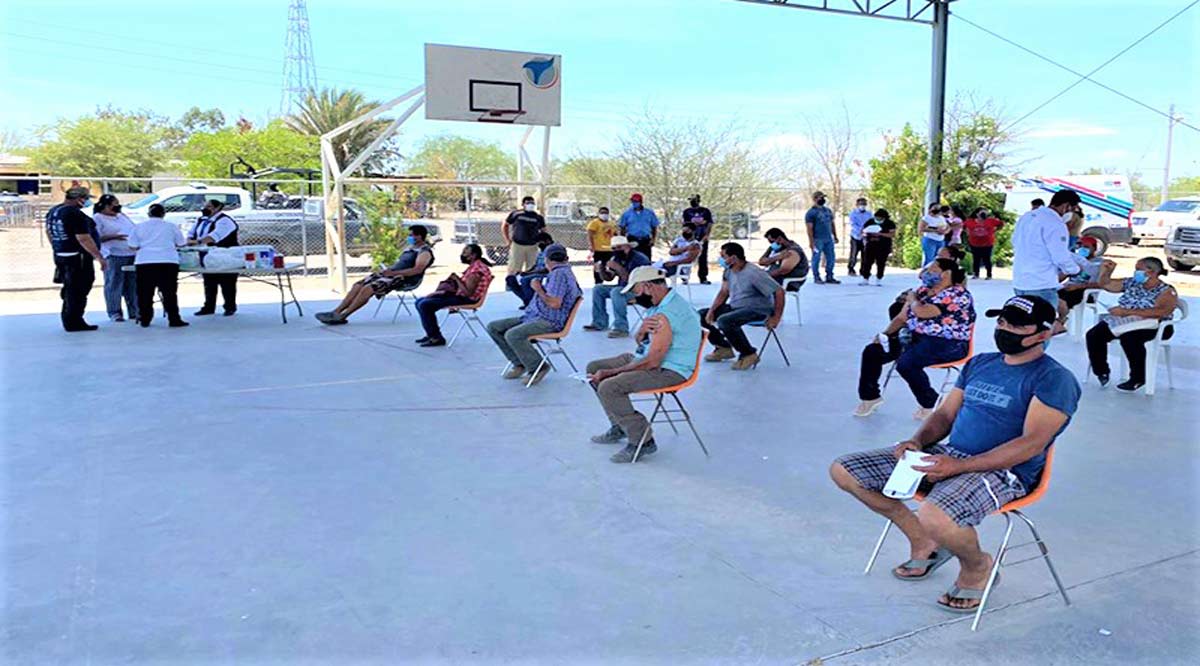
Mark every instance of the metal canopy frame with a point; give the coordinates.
(334, 178)
(934, 13)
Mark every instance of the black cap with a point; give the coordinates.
(556, 252)
(1026, 311)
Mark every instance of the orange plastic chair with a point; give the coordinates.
(950, 367)
(555, 337)
(667, 412)
(473, 316)
(1008, 510)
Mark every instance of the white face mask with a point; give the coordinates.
(862, 209)
(604, 216)
(530, 207)
(1066, 217)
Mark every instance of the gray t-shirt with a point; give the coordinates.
(751, 287)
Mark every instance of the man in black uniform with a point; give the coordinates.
(217, 229)
(702, 218)
(76, 243)
(521, 231)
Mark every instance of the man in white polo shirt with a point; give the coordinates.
(1040, 249)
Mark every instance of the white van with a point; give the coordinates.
(1107, 202)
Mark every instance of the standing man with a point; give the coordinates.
(74, 238)
(600, 231)
(702, 218)
(1040, 254)
(640, 225)
(217, 229)
(822, 238)
(520, 231)
(859, 217)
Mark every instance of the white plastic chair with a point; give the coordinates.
(1153, 347)
(1077, 321)
(795, 295)
(683, 274)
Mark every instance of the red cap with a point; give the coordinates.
(636, 196)
(1089, 241)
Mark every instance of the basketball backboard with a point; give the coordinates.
(489, 85)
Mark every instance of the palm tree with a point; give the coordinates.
(330, 108)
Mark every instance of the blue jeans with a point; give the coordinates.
(522, 286)
(823, 248)
(601, 294)
(427, 307)
(911, 361)
(117, 285)
(929, 249)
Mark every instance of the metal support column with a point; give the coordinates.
(937, 102)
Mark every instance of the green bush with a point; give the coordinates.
(385, 231)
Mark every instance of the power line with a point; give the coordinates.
(1087, 77)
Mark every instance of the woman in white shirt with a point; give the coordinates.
(157, 242)
(114, 229)
(933, 228)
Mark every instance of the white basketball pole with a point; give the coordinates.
(544, 176)
(522, 157)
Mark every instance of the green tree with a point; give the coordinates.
(194, 121)
(113, 143)
(325, 110)
(208, 155)
(449, 157)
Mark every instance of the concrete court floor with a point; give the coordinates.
(247, 492)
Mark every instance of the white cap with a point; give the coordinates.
(643, 274)
(619, 240)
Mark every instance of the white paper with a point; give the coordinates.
(581, 377)
(904, 480)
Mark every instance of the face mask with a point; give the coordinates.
(695, 203)
(635, 205)
(821, 201)
(1140, 277)
(529, 208)
(862, 209)
(722, 263)
(206, 212)
(1010, 343)
(931, 279)
(412, 241)
(1066, 217)
(1084, 252)
(644, 300)
(604, 217)
(687, 235)
(466, 259)
(775, 247)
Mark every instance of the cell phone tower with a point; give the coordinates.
(299, 72)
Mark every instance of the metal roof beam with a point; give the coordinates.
(909, 11)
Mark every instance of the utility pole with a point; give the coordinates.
(299, 72)
(1166, 184)
(937, 103)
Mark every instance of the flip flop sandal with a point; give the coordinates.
(960, 593)
(940, 557)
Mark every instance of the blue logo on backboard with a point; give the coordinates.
(541, 72)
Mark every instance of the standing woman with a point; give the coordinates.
(216, 228)
(933, 228)
(114, 228)
(157, 243)
(877, 245)
(981, 238)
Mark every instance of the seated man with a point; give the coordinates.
(683, 251)
(554, 296)
(519, 283)
(936, 321)
(1145, 301)
(747, 295)
(1004, 413)
(668, 343)
(784, 259)
(408, 270)
(623, 261)
(1094, 271)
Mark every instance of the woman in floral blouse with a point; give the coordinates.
(933, 327)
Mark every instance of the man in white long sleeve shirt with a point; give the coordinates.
(1040, 249)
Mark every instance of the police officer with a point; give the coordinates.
(76, 244)
(220, 230)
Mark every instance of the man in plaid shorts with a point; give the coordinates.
(1004, 412)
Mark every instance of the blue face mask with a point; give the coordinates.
(1084, 252)
(1140, 277)
(722, 263)
(775, 247)
(412, 241)
(635, 205)
(931, 279)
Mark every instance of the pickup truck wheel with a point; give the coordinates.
(1101, 240)
(1176, 266)
(497, 255)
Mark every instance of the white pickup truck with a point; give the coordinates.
(287, 227)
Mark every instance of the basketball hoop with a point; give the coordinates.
(504, 116)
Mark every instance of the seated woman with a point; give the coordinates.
(937, 319)
(784, 259)
(1145, 301)
(466, 289)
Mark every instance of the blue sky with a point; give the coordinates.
(768, 67)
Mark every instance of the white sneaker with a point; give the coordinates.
(866, 282)
(867, 407)
(922, 413)
(878, 282)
